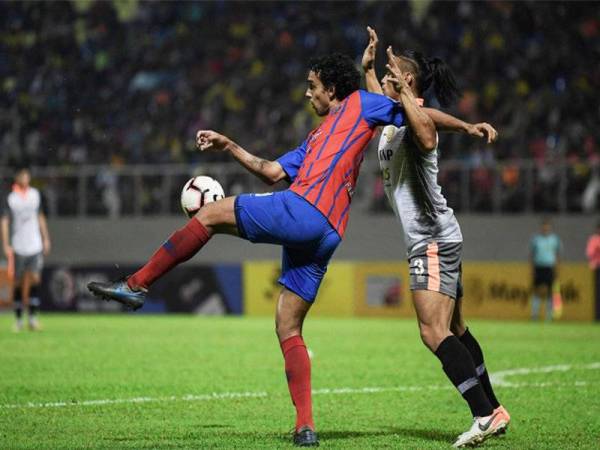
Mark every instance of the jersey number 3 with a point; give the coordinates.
(419, 269)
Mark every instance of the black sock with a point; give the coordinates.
(18, 303)
(460, 369)
(34, 300)
(477, 354)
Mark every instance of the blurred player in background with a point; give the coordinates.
(25, 241)
(544, 256)
(592, 251)
(408, 157)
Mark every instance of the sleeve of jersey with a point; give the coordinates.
(378, 110)
(292, 161)
(4, 210)
(43, 205)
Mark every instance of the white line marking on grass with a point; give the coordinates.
(498, 379)
(185, 398)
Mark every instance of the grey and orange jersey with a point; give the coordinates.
(411, 186)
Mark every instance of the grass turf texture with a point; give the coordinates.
(164, 358)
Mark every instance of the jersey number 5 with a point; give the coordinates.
(385, 174)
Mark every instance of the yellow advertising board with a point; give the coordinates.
(492, 290)
(382, 290)
(503, 290)
(261, 290)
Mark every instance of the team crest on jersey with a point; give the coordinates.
(389, 133)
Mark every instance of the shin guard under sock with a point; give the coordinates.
(460, 369)
(181, 246)
(297, 371)
(474, 349)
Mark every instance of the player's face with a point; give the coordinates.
(546, 228)
(23, 178)
(317, 95)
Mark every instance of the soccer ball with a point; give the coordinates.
(199, 191)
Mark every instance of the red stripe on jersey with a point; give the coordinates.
(334, 154)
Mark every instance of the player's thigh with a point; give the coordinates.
(219, 215)
(290, 313)
(434, 310)
(20, 267)
(303, 269)
(282, 218)
(33, 269)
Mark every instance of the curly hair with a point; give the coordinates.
(337, 70)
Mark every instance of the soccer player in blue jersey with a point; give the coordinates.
(308, 220)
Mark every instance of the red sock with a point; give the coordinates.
(181, 246)
(297, 371)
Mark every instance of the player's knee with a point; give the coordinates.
(214, 214)
(35, 278)
(286, 330)
(457, 328)
(432, 336)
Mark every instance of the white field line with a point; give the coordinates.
(498, 379)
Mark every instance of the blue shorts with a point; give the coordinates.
(286, 219)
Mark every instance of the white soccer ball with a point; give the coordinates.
(199, 191)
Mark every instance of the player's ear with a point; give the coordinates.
(330, 92)
(409, 78)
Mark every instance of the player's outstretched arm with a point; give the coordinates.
(368, 63)
(449, 123)
(421, 126)
(268, 171)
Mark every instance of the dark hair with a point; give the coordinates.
(434, 72)
(337, 70)
(21, 167)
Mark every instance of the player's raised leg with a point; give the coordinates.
(289, 317)
(213, 218)
(434, 313)
(460, 330)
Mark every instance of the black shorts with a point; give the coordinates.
(543, 276)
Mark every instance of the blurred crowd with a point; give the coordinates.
(124, 81)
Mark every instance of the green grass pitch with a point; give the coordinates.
(134, 381)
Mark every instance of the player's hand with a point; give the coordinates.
(46, 247)
(211, 140)
(397, 76)
(368, 59)
(483, 130)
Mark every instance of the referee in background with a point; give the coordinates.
(545, 250)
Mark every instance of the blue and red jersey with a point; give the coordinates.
(324, 168)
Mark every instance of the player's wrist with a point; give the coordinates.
(230, 146)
